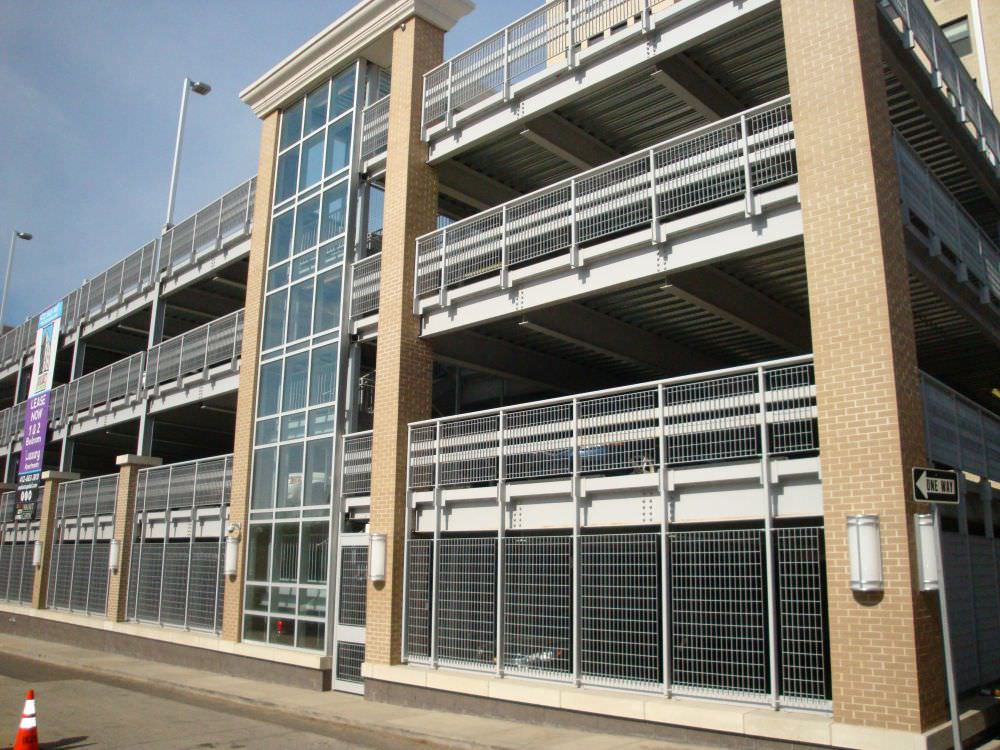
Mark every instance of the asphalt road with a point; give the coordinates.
(84, 710)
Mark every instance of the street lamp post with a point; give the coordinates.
(14, 237)
(201, 88)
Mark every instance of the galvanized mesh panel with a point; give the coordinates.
(712, 420)
(148, 587)
(619, 432)
(718, 611)
(801, 609)
(173, 593)
(195, 351)
(419, 561)
(538, 442)
(349, 659)
(422, 458)
(466, 599)
(204, 609)
(538, 606)
(353, 585)
(365, 285)
(791, 409)
(469, 450)
(472, 248)
(619, 609)
(539, 225)
(357, 478)
(770, 139)
(613, 200)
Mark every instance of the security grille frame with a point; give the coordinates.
(176, 574)
(81, 545)
(17, 540)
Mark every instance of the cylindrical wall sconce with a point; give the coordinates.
(36, 554)
(114, 555)
(928, 568)
(376, 557)
(864, 544)
(232, 548)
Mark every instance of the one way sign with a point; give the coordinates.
(935, 486)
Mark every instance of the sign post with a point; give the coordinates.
(36, 415)
(941, 487)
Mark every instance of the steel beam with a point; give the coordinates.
(472, 188)
(562, 138)
(688, 82)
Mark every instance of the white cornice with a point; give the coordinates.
(341, 42)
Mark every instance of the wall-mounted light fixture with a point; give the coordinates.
(232, 548)
(114, 555)
(928, 569)
(36, 554)
(376, 557)
(864, 544)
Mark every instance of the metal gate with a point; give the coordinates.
(17, 544)
(351, 613)
(176, 567)
(84, 526)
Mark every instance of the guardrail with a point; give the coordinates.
(195, 351)
(375, 128)
(960, 433)
(18, 342)
(738, 156)
(946, 221)
(357, 477)
(548, 36)
(725, 415)
(119, 380)
(921, 32)
(365, 281)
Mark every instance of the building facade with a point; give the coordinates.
(560, 378)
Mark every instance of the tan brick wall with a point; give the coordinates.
(885, 649)
(239, 501)
(404, 362)
(46, 535)
(128, 478)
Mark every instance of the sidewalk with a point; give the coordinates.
(409, 726)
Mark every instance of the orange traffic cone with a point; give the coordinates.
(27, 733)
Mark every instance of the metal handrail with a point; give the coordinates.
(734, 157)
(119, 380)
(375, 128)
(365, 284)
(197, 350)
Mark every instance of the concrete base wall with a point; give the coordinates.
(123, 644)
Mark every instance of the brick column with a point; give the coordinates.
(886, 662)
(128, 476)
(46, 532)
(404, 361)
(239, 496)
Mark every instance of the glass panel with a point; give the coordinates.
(283, 600)
(268, 390)
(274, 319)
(321, 421)
(300, 310)
(293, 426)
(257, 598)
(303, 265)
(296, 375)
(281, 237)
(342, 93)
(324, 375)
(315, 546)
(288, 167)
(286, 552)
(291, 125)
(282, 631)
(277, 276)
(267, 432)
(263, 479)
(255, 628)
(316, 108)
(331, 253)
(328, 301)
(312, 602)
(306, 224)
(312, 161)
(338, 146)
(311, 635)
(290, 476)
(258, 552)
(319, 465)
(334, 211)
(376, 209)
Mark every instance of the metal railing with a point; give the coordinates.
(738, 156)
(119, 380)
(720, 416)
(18, 342)
(176, 570)
(17, 540)
(84, 525)
(357, 464)
(12, 423)
(932, 50)
(375, 129)
(959, 432)
(945, 220)
(198, 350)
(365, 281)
(206, 231)
(122, 281)
(549, 36)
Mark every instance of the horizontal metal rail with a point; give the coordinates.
(923, 36)
(718, 416)
(365, 281)
(358, 463)
(960, 433)
(196, 351)
(733, 158)
(547, 37)
(375, 129)
(947, 222)
(120, 380)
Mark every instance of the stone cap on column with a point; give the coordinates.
(131, 459)
(59, 476)
(363, 31)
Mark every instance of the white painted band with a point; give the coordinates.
(28, 722)
(29, 707)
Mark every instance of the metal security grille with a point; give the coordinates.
(419, 565)
(353, 585)
(84, 525)
(801, 611)
(466, 597)
(718, 611)
(357, 471)
(175, 572)
(349, 659)
(17, 542)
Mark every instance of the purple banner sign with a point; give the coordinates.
(36, 427)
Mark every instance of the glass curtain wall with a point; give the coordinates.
(289, 537)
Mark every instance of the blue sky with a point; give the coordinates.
(90, 93)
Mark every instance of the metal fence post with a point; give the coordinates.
(443, 289)
(448, 115)
(504, 259)
(575, 490)
(665, 631)
(407, 530)
(435, 554)
(500, 557)
(194, 509)
(654, 219)
(747, 178)
(506, 63)
(769, 547)
(570, 36)
(574, 247)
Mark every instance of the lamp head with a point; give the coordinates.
(200, 87)
(24, 235)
